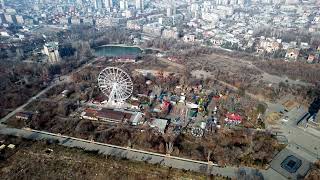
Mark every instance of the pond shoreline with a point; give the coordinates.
(128, 46)
(121, 45)
(115, 48)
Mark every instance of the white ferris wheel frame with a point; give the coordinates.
(116, 84)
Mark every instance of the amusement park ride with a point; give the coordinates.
(116, 84)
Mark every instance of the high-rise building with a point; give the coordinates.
(19, 19)
(2, 4)
(79, 2)
(108, 4)
(51, 49)
(97, 4)
(171, 10)
(8, 18)
(292, 2)
(241, 2)
(124, 5)
(139, 5)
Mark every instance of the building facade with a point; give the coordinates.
(51, 49)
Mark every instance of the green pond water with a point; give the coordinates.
(116, 51)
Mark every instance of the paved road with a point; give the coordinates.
(306, 144)
(137, 155)
(274, 107)
(280, 157)
(63, 79)
(20, 108)
(118, 151)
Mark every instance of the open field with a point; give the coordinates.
(234, 66)
(249, 75)
(273, 118)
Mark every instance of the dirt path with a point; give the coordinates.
(265, 75)
(199, 73)
(173, 64)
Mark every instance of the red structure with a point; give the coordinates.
(216, 98)
(165, 105)
(232, 118)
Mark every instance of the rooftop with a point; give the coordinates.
(234, 117)
(160, 124)
(52, 45)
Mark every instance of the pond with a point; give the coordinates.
(116, 51)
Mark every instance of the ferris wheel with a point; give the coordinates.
(116, 84)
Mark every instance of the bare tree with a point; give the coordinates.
(169, 147)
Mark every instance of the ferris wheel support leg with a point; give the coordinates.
(111, 97)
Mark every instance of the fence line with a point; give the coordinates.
(124, 148)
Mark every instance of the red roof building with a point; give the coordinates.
(113, 116)
(90, 114)
(216, 98)
(311, 58)
(107, 115)
(165, 105)
(232, 118)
